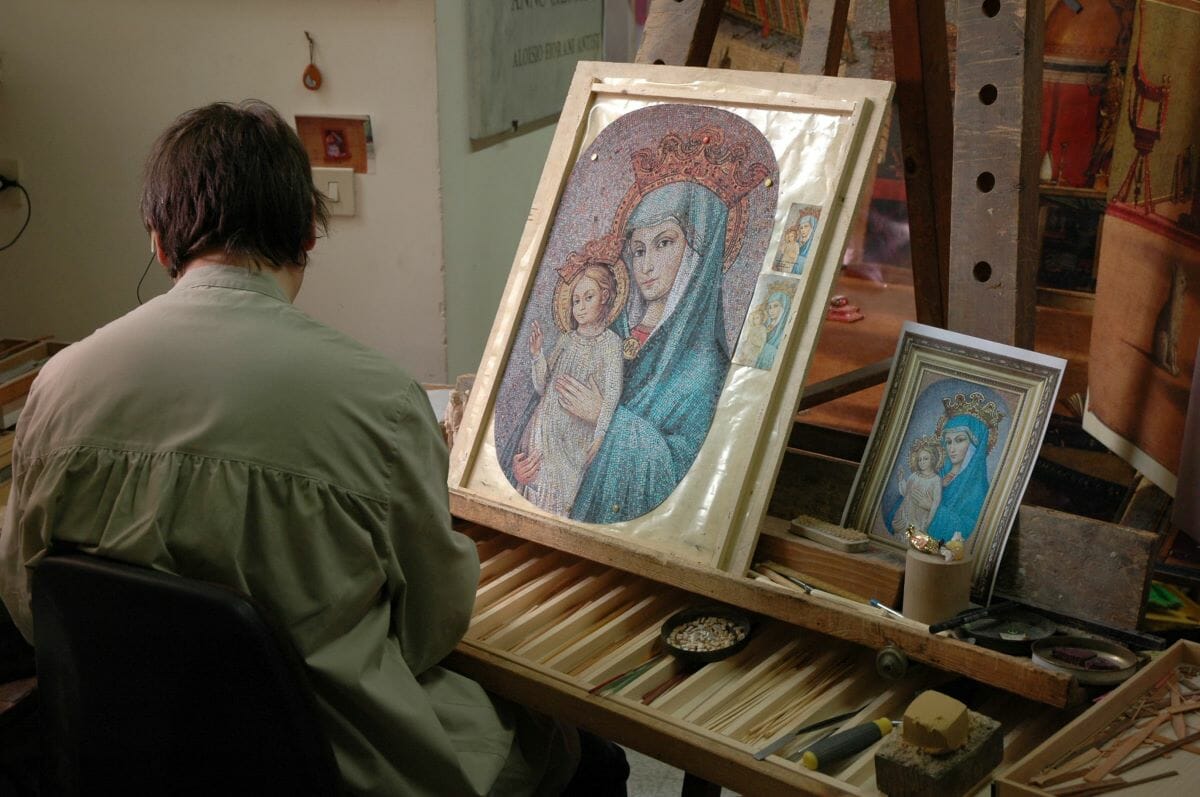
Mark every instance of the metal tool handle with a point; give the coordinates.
(970, 616)
(847, 743)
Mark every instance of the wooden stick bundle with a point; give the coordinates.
(1171, 703)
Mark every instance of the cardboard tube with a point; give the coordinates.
(934, 589)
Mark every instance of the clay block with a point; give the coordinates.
(935, 722)
(903, 770)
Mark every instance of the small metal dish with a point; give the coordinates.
(1009, 632)
(1122, 660)
(738, 620)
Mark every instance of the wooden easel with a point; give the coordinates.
(977, 275)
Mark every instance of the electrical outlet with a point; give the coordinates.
(337, 184)
(10, 168)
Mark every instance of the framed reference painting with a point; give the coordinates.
(648, 354)
(954, 444)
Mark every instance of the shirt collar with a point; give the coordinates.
(253, 279)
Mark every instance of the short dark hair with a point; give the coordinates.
(231, 179)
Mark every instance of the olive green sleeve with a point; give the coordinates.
(440, 567)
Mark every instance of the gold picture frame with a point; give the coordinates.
(675, 447)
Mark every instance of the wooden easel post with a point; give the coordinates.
(680, 32)
(926, 133)
(824, 33)
(997, 115)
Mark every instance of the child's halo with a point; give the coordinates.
(605, 252)
(931, 445)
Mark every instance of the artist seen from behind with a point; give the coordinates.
(218, 432)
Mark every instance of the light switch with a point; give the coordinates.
(337, 184)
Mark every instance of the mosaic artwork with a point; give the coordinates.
(762, 336)
(947, 459)
(799, 235)
(637, 303)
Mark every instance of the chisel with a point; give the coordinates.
(782, 741)
(847, 743)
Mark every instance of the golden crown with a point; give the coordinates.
(783, 286)
(929, 443)
(974, 404)
(606, 250)
(702, 157)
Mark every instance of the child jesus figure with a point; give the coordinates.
(922, 490)
(587, 351)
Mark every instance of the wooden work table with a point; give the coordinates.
(561, 614)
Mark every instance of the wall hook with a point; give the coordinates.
(312, 76)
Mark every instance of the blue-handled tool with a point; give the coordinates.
(842, 745)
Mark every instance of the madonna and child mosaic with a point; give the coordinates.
(947, 461)
(637, 305)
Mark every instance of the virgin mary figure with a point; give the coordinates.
(806, 226)
(688, 195)
(677, 355)
(775, 319)
(967, 439)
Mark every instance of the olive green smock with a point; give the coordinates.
(220, 433)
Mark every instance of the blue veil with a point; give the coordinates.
(962, 499)
(770, 349)
(812, 220)
(802, 257)
(672, 386)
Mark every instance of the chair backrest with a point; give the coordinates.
(157, 684)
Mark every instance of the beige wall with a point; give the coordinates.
(85, 87)
(486, 197)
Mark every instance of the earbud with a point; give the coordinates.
(153, 245)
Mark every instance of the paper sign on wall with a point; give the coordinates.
(523, 56)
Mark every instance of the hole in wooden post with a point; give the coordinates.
(659, 61)
(982, 271)
(988, 94)
(991, 8)
(985, 182)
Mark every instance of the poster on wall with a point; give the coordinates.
(344, 141)
(1082, 84)
(523, 54)
(1146, 325)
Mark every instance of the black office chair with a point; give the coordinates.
(156, 684)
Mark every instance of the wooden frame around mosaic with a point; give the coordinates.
(736, 507)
